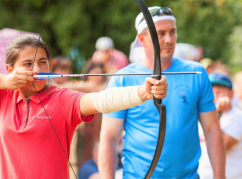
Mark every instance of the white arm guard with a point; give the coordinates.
(118, 98)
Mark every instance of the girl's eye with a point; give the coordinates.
(27, 64)
(43, 62)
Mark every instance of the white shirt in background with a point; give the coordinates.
(231, 124)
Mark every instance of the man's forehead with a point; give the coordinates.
(165, 24)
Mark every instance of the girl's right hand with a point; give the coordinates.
(18, 78)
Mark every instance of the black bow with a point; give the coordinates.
(157, 72)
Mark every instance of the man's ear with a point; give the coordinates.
(9, 68)
(141, 39)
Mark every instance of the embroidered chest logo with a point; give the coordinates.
(183, 96)
(43, 117)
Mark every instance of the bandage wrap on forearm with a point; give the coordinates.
(118, 98)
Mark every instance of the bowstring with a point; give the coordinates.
(40, 98)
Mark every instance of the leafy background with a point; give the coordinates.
(72, 26)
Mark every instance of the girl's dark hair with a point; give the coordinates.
(19, 43)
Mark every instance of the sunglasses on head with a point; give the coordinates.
(158, 11)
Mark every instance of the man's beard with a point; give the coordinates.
(152, 53)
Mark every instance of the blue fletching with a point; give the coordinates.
(43, 75)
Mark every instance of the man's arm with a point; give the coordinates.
(107, 159)
(214, 140)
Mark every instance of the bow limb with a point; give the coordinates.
(157, 72)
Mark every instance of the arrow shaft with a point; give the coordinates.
(108, 74)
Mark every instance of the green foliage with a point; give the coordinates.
(78, 23)
(235, 49)
(205, 24)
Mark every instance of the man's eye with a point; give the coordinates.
(160, 34)
(173, 32)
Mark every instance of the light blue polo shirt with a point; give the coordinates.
(188, 95)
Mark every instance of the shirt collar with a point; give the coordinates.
(42, 94)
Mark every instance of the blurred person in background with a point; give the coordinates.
(111, 58)
(89, 169)
(99, 82)
(215, 66)
(237, 82)
(231, 125)
(186, 51)
(220, 67)
(201, 53)
(137, 51)
(119, 171)
(208, 64)
(63, 65)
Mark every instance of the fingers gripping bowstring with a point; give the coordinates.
(39, 96)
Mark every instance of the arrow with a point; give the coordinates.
(56, 75)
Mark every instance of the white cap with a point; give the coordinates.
(141, 25)
(104, 43)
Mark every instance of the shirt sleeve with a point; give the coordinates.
(206, 102)
(116, 81)
(70, 102)
(2, 92)
(4, 95)
(233, 128)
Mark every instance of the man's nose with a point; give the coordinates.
(168, 38)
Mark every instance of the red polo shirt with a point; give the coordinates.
(29, 148)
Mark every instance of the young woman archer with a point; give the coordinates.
(28, 145)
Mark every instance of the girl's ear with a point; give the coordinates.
(9, 68)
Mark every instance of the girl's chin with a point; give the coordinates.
(38, 80)
(37, 87)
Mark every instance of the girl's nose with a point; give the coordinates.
(36, 67)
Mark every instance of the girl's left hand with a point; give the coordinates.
(156, 88)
